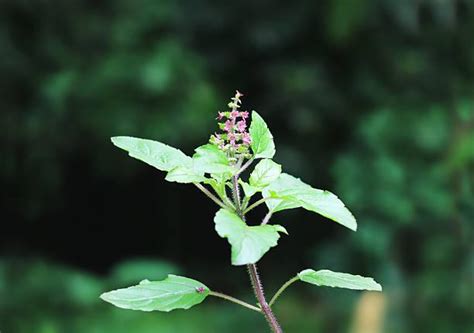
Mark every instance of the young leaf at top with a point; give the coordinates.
(339, 280)
(210, 159)
(174, 292)
(248, 243)
(154, 153)
(265, 172)
(290, 192)
(262, 140)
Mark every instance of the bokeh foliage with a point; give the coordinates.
(371, 99)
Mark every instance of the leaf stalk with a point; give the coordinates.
(282, 289)
(234, 300)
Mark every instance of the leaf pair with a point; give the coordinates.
(177, 292)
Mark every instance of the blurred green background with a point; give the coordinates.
(371, 99)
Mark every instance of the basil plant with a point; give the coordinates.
(216, 170)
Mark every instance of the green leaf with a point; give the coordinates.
(265, 172)
(210, 159)
(290, 192)
(218, 186)
(154, 153)
(174, 292)
(262, 140)
(249, 190)
(248, 243)
(339, 280)
(185, 175)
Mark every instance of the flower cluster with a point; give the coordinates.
(235, 139)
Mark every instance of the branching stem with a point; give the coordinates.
(210, 195)
(252, 268)
(245, 166)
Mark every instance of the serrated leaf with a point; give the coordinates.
(210, 159)
(339, 280)
(174, 292)
(185, 175)
(154, 153)
(265, 172)
(262, 140)
(248, 243)
(290, 192)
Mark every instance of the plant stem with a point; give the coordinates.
(258, 290)
(245, 166)
(252, 268)
(282, 289)
(210, 195)
(234, 300)
(266, 218)
(255, 204)
(236, 195)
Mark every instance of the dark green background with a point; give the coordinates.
(371, 99)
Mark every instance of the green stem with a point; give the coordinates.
(229, 203)
(252, 268)
(245, 203)
(246, 165)
(255, 204)
(234, 300)
(210, 195)
(282, 289)
(267, 218)
(236, 195)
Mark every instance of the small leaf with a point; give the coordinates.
(217, 186)
(154, 153)
(210, 159)
(265, 172)
(290, 192)
(174, 292)
(339, 280)
(262, 140)
(249, 190)
(185, 175)
(248, 243)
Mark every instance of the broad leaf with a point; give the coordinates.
(154, 153)
(262, 140)
(265, 172)
(185, 175)
(339, 280)
(174, 292)
(290, 192)
(210, 159)
(248, 243)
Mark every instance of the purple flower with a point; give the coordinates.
(234, 114)
(246, 139)
(241, 126)
(220, 115)
(229, 126)
(232, 138)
